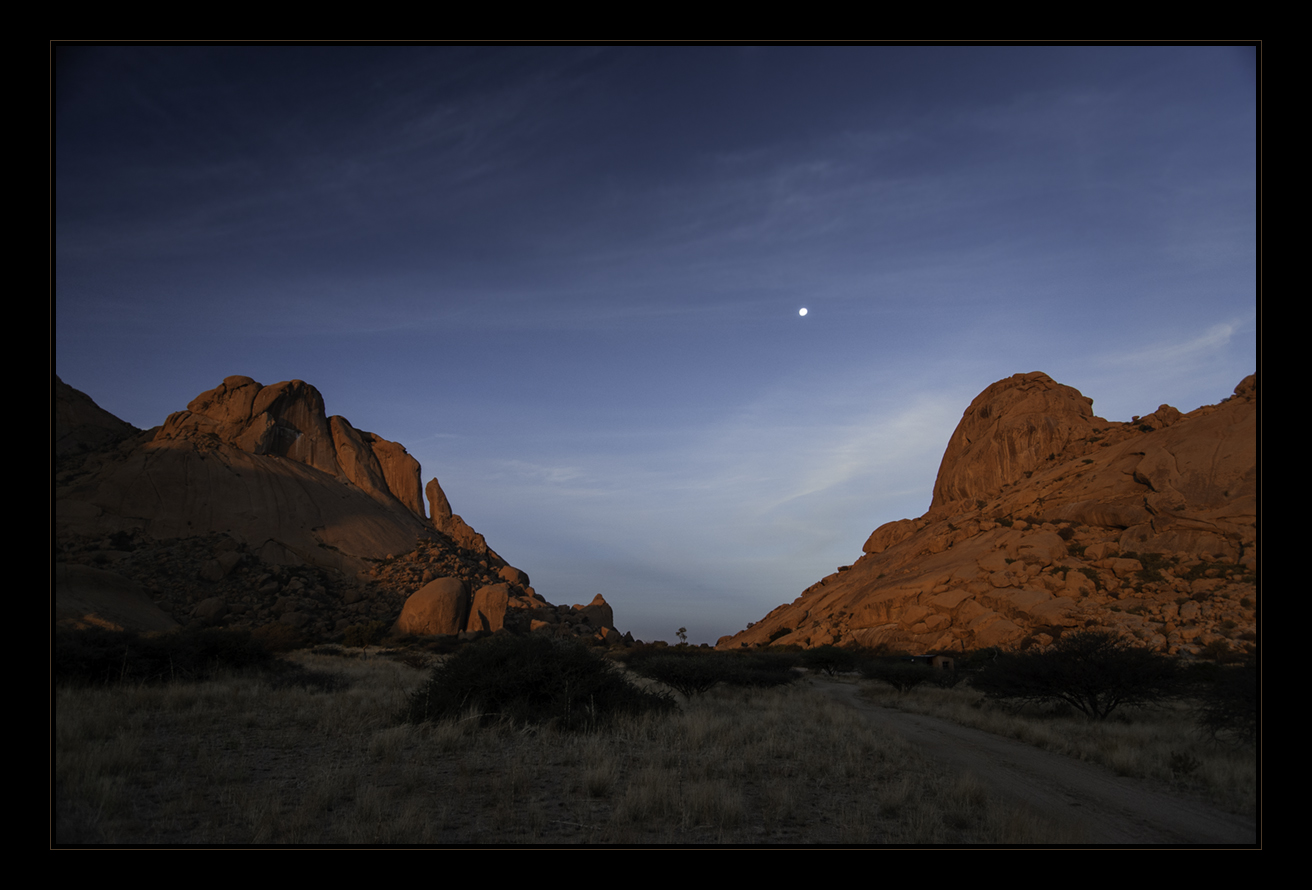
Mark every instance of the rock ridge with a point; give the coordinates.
(254, 507)
(1044, 517)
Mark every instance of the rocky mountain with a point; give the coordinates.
(253, 506)
(1045, 517)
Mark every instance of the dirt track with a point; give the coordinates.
(1100, 806)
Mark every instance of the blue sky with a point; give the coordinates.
(568, 279)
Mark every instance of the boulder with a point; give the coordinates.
(514, 576)
(598, 613)
(439, 607)
(489, 608)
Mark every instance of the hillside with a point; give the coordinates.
(1045, 516)
(252, 507)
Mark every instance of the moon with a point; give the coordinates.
(801, 311)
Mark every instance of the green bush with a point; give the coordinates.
(530, 680)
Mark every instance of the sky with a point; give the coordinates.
(569, 279)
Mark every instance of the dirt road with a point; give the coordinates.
(1100, 806)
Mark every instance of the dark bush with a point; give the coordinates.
(279, 637)
(99, 656)
(366, 633)
(1092, 671)
(530, 680)
(762, 669)
(693, 672)
(1227, 709)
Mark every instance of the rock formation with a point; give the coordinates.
(439, 607)
(1045, 516)
(253, 506)
(81, 425)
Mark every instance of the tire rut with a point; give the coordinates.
(1098, 805)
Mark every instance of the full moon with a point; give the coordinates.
(801, 311)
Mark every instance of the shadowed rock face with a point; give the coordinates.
(1045, 516)
(253, 507)
(81, 425)
(265, 465)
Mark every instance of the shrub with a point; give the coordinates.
(1092, 671)
(278, 637)
(530, 680)
(366, 633)
(1220, 651)
(96, 655)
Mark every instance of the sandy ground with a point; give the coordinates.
(1099, 806)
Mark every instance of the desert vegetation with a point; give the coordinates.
(246, 754)
(530, 681)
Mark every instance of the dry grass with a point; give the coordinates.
(235, 761)
(1160, 743)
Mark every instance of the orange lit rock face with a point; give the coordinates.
(288, 420)
(1045, 516)
(1012, 428)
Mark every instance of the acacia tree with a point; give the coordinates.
(1094, 672)
(830, 659)
(901, 676)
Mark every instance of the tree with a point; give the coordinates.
(1094, 672)
(901, 676)
(1227, 707)
(690, 674)
(830, 659)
